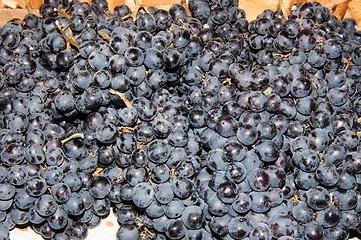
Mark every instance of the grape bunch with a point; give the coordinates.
(192, 123)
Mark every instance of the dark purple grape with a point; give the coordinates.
(318, 198)
(99, 187)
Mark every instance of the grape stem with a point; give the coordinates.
(296, 198)
(28, 7)
(92, 154)
(20, 22)
(173, 173)
(348, 62)
(63, 13)
(98, 171)
(145, 230)
(138, 6)
(103, 35)
(125, 129)
(119, 177)
(121, 95)
(185, 5)
(70, 41)
(150, 175)
(75, 135)
(300, 22)
(227, 81)
(283, 9)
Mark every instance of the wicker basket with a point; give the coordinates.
(340, 8)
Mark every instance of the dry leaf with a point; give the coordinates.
(355, 11)
(10, 3)
(341, 9)
(22, 3)
(330, 3)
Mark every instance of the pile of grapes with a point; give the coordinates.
(192, 123)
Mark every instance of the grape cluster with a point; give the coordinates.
(192, 123)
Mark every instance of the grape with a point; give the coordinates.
(78, 231)
(349, 219)
(17, 175)
(13, 154)
(128, 231)
(155, 210)
(215, 206)
(267, 150)
(182, 187)
(74, 205)
(259, 179)
(346, 181)
(171, 58)
(306, 180)
(61, 192)
(106, 155)
(34, 217)
(291, 28)
(23, 200)
(58, 220)
(18, 217)
(35, 186)
(189, 123)
(317, 139)
(106, 133)
(160, 173)
(348, 197)
(99, 187)
(45, 205)
(143, 195)
(317, 57)
(175, 229)
(219, 225)
(336, 232)
(318, 198)
(227, 192)
(239, 228)
(260, 231)
(136, 175)
(101, 207)
(280, 226)
(247, 134)
(158, 151)
(73, 180)
(164, 193)
(13, 73)
(261, 201)
(313, 230)
(174, 209)
(327, 174)
(306, 39)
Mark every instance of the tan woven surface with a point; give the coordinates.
(341, 8)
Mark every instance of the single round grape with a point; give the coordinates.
(99, 187)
